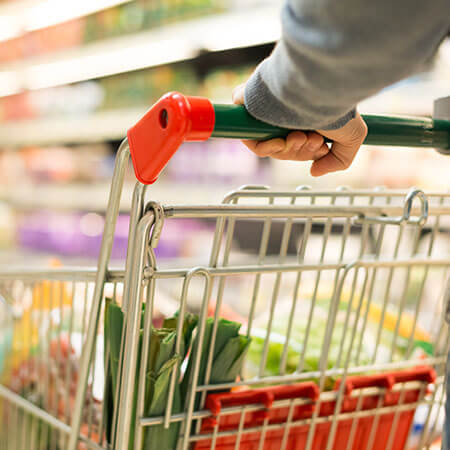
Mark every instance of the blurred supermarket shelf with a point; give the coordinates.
(94, 197)
(69, 129)
(409, 97)
(18, 17)
(168, 44)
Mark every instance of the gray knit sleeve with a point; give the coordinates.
(335, 53)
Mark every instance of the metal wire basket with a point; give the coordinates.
(339, 294)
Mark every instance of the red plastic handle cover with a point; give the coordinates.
(264, 396)
(387, 380)
(172, 120)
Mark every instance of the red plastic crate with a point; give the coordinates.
(309, 392)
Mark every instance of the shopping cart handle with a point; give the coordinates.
(233, 121)
(176, 118)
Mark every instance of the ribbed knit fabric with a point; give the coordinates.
(335, 53)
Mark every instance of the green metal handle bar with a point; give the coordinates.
(233, 121)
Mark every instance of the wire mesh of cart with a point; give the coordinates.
(310, 319)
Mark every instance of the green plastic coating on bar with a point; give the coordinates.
(233, 121)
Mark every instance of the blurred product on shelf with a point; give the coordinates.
(370, 170)
(75, 99)
(121, 20)
(219, 83)
(72, 99)
(82, 163)
(216, 162)
(128, 90)
(143, 87)
(16, 107)
(213, 162)
(7, 226)
(434, 168)
(69, 234)
(142, 15)
(52, 39)
(79, 235)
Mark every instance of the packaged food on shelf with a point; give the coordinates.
(433, 168)
(17, 107)
(76, 99)
(139, 15)
(120, 20)
(7, 226)
(219, 83)
(74, 234)
(128, 90)
(141, 88)
(57, 164)
(80, 98)
(214, 162)
(11, 50)
(69, 234)
(54, 38)
(39, 42)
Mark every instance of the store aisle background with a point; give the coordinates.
(75, 75)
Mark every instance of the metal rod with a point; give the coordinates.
(294, 377)
(325, 212)
(137, 210)
(124, 412)
(123, 155)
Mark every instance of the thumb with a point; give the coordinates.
(339, 158)
(346, 143)
(238, 94)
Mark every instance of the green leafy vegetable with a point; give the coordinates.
(229, 351)
(228, 355)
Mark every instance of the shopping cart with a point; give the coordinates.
(342, 343)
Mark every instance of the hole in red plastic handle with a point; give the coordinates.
(169, 122)
(163, 118)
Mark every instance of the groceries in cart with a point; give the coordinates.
(165, 361)
(338, 343)
(235, 355)
(305, 334)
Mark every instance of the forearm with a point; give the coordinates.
(333, 54)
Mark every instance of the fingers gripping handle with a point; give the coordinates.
(233, 121)
(176, 118)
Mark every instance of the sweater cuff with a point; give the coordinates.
(339, 123)
(263, 105)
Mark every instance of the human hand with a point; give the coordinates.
(310, 145)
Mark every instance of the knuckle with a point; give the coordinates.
(259, 152)
(359, 132)
(365, 128)
(315, 138)
(297, 137)
(314, 142)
